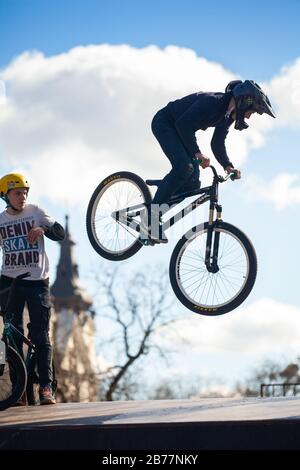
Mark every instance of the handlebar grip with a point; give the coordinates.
(233, 175)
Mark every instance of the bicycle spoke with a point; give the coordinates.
(6, 385)
(111, 234)
(206, 288)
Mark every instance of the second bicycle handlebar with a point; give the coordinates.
(222, 179)
(11, 289)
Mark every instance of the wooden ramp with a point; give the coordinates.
(202, 424)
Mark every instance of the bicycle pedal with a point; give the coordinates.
(147, 242)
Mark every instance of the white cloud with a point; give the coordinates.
(264, 327)
(2, 90)
(282, 191)
(285, 92)
(73, 118)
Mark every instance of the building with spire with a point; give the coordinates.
(73, 330)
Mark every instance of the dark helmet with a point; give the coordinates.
(249, 96)
(231, 85)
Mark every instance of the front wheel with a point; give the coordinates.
(13, 378)
(213, 293)
(125, 193)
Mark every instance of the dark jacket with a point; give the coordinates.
(200, 111)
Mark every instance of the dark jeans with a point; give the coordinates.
(36, 294)
(185, 170)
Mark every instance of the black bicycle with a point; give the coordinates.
(18, 377)
(213, 266)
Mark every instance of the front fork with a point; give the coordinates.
(212, 246)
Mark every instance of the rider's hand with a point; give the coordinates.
(237, 172)
(204, 161)
(34, 234)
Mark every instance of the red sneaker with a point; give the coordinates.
(46, 396)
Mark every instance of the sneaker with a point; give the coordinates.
(46, 396)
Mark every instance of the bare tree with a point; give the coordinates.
(270, 372)
(131, 309)
(178, 388)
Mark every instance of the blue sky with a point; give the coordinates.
(61, 112)
(255, 37)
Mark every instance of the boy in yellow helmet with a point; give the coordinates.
(22, 230)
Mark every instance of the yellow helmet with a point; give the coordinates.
(12, 181)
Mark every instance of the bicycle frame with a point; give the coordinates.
(10, 332)
(209, 193)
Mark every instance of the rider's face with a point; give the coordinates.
(17, 198)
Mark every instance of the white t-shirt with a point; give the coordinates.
(19, 256)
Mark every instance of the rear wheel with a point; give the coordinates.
(12, 379)
(110, 237)
(213, 293)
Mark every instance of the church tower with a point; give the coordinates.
(73, 330)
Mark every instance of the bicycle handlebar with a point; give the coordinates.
(11, 289)
(14, 280)
(23, 276)
(222, 179)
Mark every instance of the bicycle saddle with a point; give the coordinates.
(153, 182)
